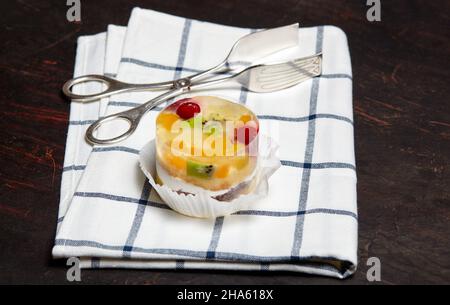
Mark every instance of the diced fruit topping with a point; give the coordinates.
(253, 124)
(173, 107)
(222, 171)
(176, 161)
(245, 134)
(245, 118)
(188, 110)
(195, 121)
(166, 119)
(199, 170)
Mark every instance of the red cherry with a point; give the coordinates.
(174, 106)
(245, 134)
(253, 124)
(188, 110)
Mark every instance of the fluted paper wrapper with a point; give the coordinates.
(202, 204)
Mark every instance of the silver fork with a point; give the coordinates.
(261, 78)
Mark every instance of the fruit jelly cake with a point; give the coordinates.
(208, 142)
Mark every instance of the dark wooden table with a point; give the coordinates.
(402, 124)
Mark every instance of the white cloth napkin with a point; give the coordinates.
(96, 54)
(110, 217)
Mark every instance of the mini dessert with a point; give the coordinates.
(207, 143)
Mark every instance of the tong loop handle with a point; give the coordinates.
(112, 86)
(132, 117)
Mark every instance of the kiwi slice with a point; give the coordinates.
(195, 120)
(199, 170)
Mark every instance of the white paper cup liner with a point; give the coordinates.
(202, 204)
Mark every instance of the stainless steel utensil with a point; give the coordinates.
(247, 50)
(257, 78)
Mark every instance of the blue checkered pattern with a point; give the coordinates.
(111, 217)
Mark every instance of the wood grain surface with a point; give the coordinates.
(402, 126)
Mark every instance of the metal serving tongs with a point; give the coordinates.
(247, 49)
(240, 62)
(257, 78)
